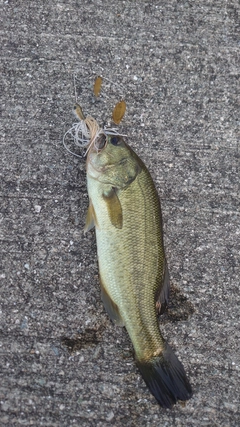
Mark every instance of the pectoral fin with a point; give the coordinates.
(91, 219)
(114, 208)
(110, 307)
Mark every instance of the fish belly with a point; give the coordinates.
(131, 259)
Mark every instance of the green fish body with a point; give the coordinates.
(125, 210)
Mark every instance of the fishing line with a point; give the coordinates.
(75, 88)
(85, 133)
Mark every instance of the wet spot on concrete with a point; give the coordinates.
(86, 338)
(179, 307)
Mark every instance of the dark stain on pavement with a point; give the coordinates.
(87, 338)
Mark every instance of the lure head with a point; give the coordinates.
(77, 110)
(111, 161)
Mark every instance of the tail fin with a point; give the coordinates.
(166, 378)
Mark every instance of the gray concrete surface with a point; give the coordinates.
(63, 363)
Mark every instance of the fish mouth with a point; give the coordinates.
(101, 169)
(121, 162)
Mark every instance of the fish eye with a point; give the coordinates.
(101, 142)
(115, 140)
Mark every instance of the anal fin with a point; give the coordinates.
(110, 306)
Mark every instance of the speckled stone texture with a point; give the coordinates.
(176, 63)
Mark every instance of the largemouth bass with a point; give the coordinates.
(124, 208)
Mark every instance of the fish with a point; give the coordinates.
(125, 210)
